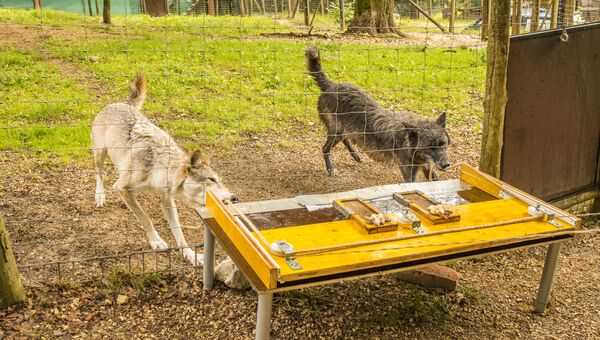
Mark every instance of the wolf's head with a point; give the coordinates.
(198, 177)
(429, 141)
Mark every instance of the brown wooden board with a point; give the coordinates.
(552, 125)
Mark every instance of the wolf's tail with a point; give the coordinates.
(137, 91)
(313, 61)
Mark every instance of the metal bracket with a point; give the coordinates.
(540, 210)
(287, 250)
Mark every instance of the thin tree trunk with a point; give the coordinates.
(37, 4)
(452, 16)
(322, 7)
(535, 16)
(554, 20)
(485, 18)
(342, 17)
(90, 7)
(97, 8)
(11, 289)
(516, 17)
(496, 94)
(289, 9)
(296, 7)
(306, 12)
(106, 12)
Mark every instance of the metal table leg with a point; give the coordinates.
(263, 316)
(208, 272)
(547, 276)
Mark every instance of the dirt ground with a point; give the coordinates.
(50, 213)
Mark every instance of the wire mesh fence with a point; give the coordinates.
(236, 87)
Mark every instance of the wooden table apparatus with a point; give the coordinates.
(295, 243)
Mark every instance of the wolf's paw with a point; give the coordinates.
(100, 199)
(196, 259)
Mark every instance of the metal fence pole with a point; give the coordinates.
(208, 273)
(547, 276)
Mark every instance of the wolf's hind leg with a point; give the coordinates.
(352, 150)
(332, 141)
(99, 157)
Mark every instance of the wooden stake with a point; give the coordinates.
(496, 94)
(427, 16)
(11, 289)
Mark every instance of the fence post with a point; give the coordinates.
(11, 290)
(496, 94)
(485, 18)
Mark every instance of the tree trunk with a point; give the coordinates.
(106, 12)
(11, 290)
(452, 16)
(496, 94)
(37, 4)
(156, 8)
(373, 16)
(211, 7)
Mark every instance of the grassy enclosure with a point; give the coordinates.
(237, 88)
(211, 80)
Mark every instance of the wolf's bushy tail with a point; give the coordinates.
(137, 91)
(313, 61)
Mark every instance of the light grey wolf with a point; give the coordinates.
(350, 115)
(148, 159)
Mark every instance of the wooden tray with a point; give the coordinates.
(360, 211)
(419, 203)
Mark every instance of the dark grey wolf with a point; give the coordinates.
(352, 116)
(148, 159)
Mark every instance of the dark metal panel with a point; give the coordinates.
(552, 123)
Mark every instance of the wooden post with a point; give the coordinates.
(516, 17)
(554, 20)
(485, 17)
(11, 289)
(106, 12)
(342, 18)
(496, 95)
(452, 16)
(37, 4)
(535, 16)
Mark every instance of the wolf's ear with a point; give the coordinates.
(198, 160)
(441, 120)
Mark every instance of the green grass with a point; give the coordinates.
(209, 83)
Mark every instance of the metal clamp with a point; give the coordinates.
(282, 247)
(564, 36)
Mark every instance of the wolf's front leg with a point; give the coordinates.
(170, 211)
(332, 140)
